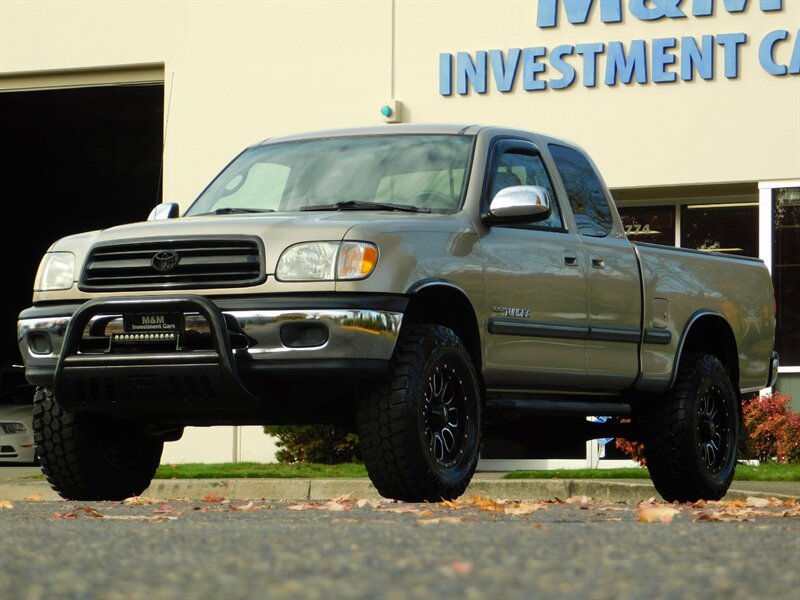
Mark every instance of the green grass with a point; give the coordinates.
(764, 472)
(251, 470)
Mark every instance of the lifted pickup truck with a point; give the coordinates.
(419, 284)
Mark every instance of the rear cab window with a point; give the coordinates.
(584, 191)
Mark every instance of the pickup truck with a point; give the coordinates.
(420, 285)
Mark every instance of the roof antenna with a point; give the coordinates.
(164, 139)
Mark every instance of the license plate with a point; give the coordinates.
(151, 327)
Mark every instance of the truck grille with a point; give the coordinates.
(175, 264)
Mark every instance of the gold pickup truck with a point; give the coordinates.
(418, 284)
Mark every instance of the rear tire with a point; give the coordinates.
(692, 433)
(420, 430)
(91, 457)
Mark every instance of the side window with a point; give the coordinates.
(586, 196)
(518, 168)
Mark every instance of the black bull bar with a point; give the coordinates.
(158, 379)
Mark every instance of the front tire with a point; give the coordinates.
(692, 434)
(91, 457)
(420, 430)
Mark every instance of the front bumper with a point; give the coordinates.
(236, 336)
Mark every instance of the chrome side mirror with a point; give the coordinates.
(168, 210)
(519, 203)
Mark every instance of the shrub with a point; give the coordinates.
(773, 430)
(633, 449)
(324, 444)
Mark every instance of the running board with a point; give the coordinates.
(530, 406)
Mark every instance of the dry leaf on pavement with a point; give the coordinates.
(439, 520)
(303, 506)
(212, 497)
(655, 513)
(137, 501)
(335, 506)
(579, 500)
(461, 567)
(6, 504)
(521, 508)
(757, 502)
(34, 497)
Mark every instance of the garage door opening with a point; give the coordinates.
(76, 160)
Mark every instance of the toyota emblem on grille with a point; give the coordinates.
(166, 260)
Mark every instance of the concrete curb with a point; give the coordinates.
(321, 489)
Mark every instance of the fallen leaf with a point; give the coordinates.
(345, 498)
(212, 497)
(707, 517)
(34, 497)
(485, 504)
(302, 506)
(58, 516)
(137, 501)
(89, 511)
(579, 500)
(790, 502)
(738, 503)
(430, 513)
(449, 504)
(728, 515)
(655, 513)
(243, 507)
(757, 502)
(6, 504)
(522, 508)
(439, 520)
(166, 509)
(334, 506)
(461, 567)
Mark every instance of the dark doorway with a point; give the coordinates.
(76, 160)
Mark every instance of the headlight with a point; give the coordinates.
(13, 427)
(327, 261)
(56, 272)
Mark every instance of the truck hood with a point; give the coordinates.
(278, 231)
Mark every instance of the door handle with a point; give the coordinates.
(570, 258)
(598, 262)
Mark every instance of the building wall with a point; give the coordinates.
(237, 72)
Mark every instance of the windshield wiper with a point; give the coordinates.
(356, 205)
(232, 210)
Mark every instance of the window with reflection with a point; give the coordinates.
(655, 225)
(786, 272)
(722, 228)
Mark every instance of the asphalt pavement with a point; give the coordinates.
(348, 549)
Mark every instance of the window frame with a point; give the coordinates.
(528, 148)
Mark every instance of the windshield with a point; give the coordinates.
(417, 173)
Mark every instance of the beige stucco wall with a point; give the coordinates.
(236, 72)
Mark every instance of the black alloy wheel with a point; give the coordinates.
(692, 432)
(420, 429)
